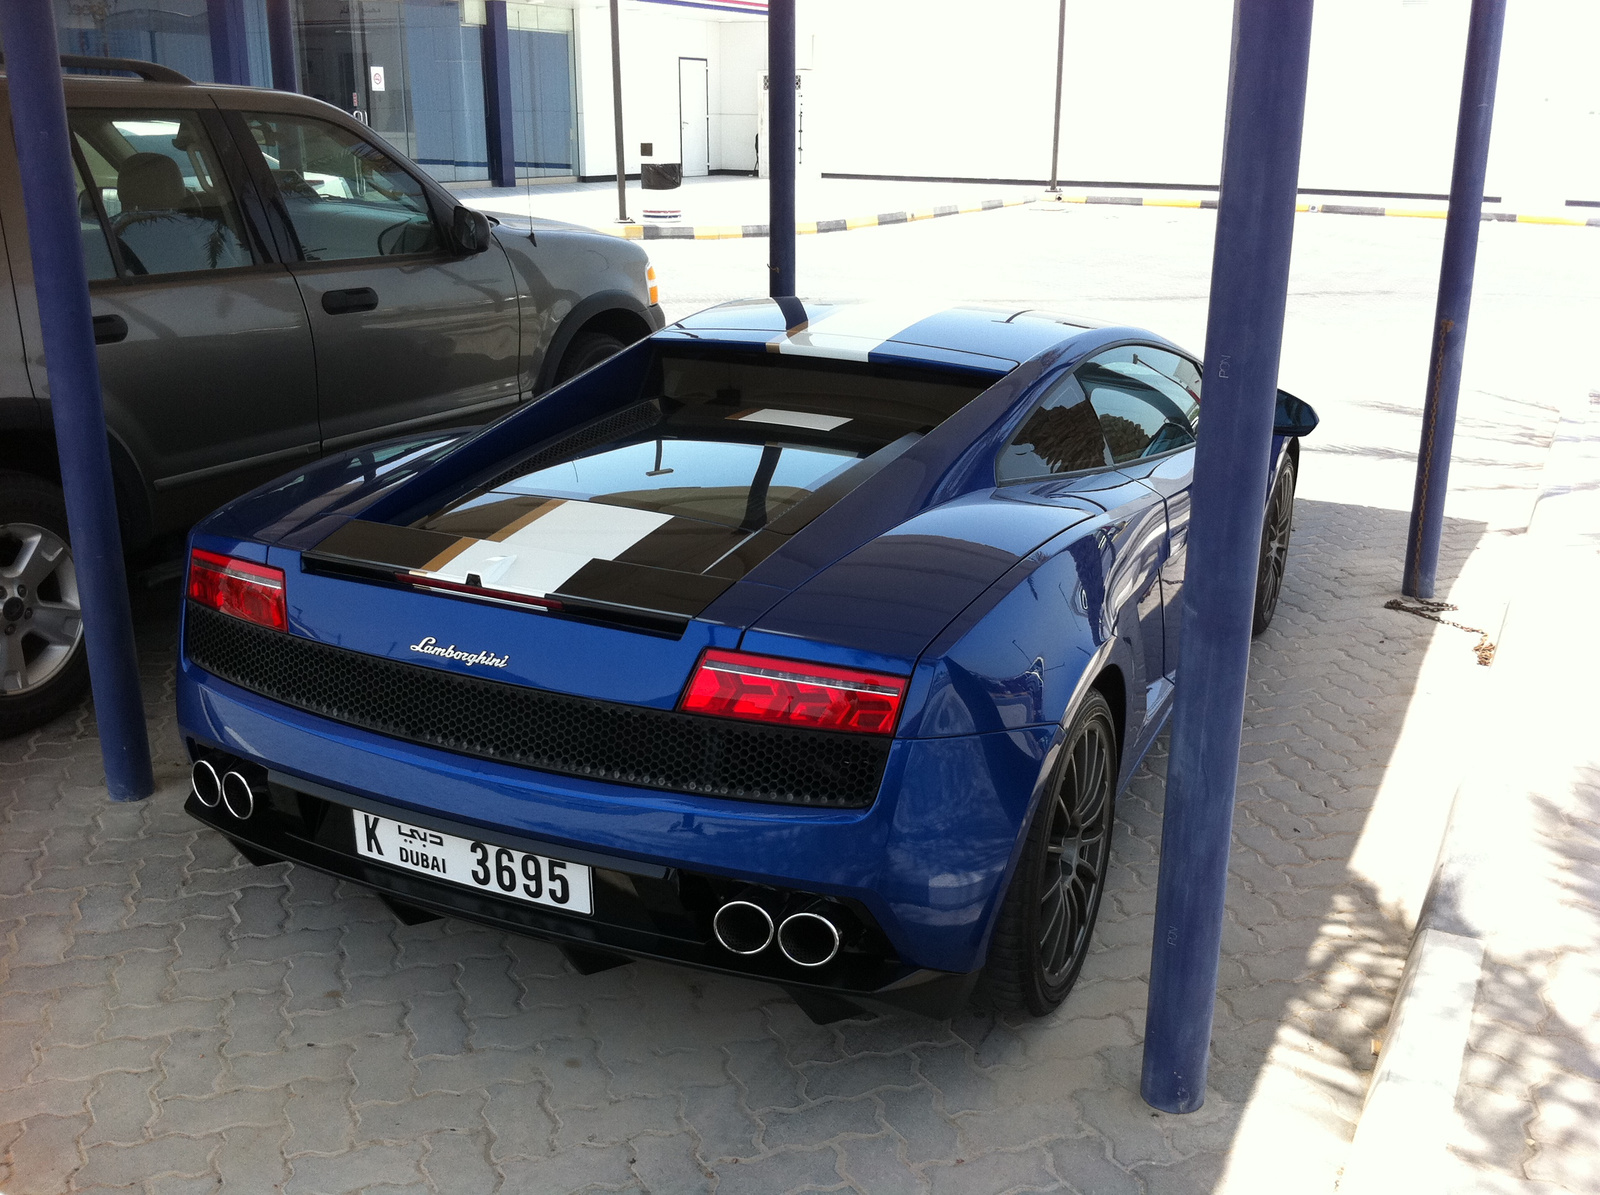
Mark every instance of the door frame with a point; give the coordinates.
(682, 165)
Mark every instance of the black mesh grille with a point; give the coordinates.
(574, 736)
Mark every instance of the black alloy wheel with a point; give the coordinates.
(1045, 926)
(586, 351)
(1276, 527)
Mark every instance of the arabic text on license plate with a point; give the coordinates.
(501, 870)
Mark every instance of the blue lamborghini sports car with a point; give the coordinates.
(805, 642)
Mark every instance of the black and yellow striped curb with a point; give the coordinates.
(732, 232)
(1333, 209)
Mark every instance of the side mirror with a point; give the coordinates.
(471, 230)
(1294, 417)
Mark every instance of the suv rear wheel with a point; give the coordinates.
(43, 666)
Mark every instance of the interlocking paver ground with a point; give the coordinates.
(172, 1017)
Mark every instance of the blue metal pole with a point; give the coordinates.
(50, 199)
(1244, 333)
(497, 94)
(280, 41)
(780, 146)
(1460, 259)
(230, 55)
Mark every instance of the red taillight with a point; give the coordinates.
(241, 588)
(731, 684)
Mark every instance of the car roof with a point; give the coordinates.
(991, 338)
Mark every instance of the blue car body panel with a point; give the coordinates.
(1001, 603)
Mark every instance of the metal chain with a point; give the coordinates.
(1432, 610)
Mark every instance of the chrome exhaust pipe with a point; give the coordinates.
(207, 784)
(237, 796)
(743, 927)
(809, 938)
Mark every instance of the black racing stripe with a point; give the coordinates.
(747, 555)
(636, 589)
(892, 217)
(1351, 209)
(831, 225)
(684, 545)
(361, 542)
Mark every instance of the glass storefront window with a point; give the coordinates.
(543, 86)
(175, 33)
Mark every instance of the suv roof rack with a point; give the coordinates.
(150, 72)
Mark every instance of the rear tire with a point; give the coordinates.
(44, 668)
(1276, 527)
(1043, 934)
(586, 351)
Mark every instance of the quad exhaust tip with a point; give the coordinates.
(237, 796)
(743, 927)
(207, 784)
(808, 939)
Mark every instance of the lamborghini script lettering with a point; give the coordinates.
(430, 647)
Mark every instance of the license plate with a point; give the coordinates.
(519, 875)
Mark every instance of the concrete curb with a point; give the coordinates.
(1399, 1143)
(733, 232)
(1332, 209)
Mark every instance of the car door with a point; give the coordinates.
(1060, 454)
(1148, 402)
(408, 330)
(205, 350)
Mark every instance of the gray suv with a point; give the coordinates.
(270, 282)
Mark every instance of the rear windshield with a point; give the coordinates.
(738, 438)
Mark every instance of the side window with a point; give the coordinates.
(96, 248)
(155, 179)
(345, 198)
(1143, 410)
(1061, 435)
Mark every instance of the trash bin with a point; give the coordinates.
(660, 176)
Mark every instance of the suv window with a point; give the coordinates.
(151, 182)
(344, 197)
(1143, 410)
(1062, 435)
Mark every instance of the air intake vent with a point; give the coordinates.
(551, 732)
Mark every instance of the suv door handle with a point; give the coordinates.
(108, 329)
(342, 302)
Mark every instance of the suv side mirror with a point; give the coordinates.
(471, 230)
(1294, 417)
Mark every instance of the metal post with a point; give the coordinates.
(280, 40)
(1061, 62)
(230, 54)
(497, 94)
(1244, 332)
(55, 244)
(1460, 259)
(780, 146)
(616, 109)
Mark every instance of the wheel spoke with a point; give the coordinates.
(36, 558)
(13, 668)
(57, 624)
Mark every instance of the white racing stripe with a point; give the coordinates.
(852, 330)
(539, 558)
(805, 419)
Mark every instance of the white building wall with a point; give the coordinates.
(947, 88)
(965, 91)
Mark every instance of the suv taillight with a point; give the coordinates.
(731, 684)
(242, 588)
